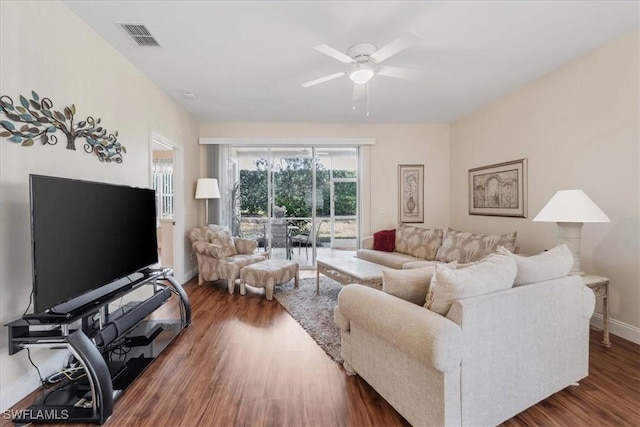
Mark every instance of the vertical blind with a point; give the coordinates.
(163, 184)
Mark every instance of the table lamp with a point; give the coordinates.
(570, 209)
(207, 188)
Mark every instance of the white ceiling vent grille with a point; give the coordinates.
(140, 34)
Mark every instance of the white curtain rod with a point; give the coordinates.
(288, 141)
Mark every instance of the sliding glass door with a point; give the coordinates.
(298, 202)
(338, 169)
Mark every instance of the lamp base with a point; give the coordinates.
(570, 233)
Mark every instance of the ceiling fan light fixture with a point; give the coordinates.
(361, 74)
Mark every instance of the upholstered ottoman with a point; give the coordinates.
(267, 274)
(230, 267)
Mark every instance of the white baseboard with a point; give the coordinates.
(26, 384)
(188, 275)
(620, 329)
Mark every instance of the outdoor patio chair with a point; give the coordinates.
(280, 237)
(306, 239)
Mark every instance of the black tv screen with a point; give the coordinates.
(86, 235)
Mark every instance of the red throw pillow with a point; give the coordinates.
(384, 240)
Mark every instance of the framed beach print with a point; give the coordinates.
(410, 193)
(499, 190)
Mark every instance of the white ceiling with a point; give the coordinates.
(245, 60)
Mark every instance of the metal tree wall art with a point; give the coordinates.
(41, 121)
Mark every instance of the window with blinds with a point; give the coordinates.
(163, 184)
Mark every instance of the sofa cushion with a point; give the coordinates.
(410, 285)
(419, 264)
(384, 240)
(418, 242)
(230, 267)
(494, 273)
(221, 236)
(466, 247)
(551, 264)
(245, 246)
(387, 259)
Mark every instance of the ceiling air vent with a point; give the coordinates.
(140, 34)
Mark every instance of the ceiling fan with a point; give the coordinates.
(363, 62)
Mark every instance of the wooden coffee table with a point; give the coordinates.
(349, 269)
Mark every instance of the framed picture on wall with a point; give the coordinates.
(410, 193)
(499, 190)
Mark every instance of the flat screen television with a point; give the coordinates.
(87, 235)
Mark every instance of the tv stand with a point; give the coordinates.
(113, 348)
(47, 317)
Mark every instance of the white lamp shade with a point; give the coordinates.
(207, 188)
(571, 206)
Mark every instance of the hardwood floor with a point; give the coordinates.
(246, 362)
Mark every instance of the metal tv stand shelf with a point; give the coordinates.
(113, 348)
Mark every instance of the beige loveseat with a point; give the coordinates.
(417, 247)
(477, 360)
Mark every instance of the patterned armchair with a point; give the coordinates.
(221, 256)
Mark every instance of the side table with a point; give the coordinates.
(600, 287)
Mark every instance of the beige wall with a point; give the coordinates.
(579, 128)
(46, 48)
(395, 144)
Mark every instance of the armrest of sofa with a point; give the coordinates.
(367, 242)
(245, 246)
(208, 249)
(547, 304)
(535, 334)
(424, 335)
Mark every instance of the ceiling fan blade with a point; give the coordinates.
(400, 73)
(323, 79)
(358, 92)
(394, 47)
(334, 53)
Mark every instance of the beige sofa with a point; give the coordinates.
(487, 357)
(417, 247)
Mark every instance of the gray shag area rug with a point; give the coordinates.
(314, 312)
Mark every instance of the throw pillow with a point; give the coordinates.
(410, 285)
(245, 246)
(384, 240)
(208, 249)
(494, 273)
(551, 264)
(418, 242)
(221, 236)
(467, 247)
